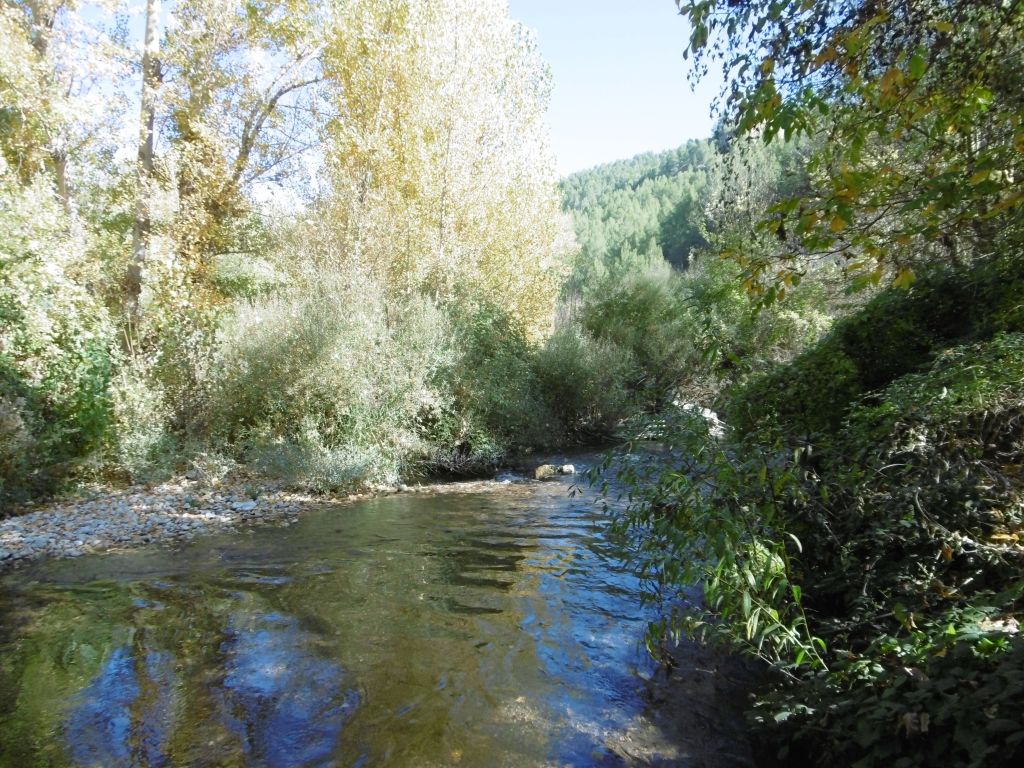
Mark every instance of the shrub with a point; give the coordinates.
(647, 316)
(56, 346)
(143, 446)
(711, 516)
(949, 695)
(327, 384)
(693, 334)
(585, 383)
(496, 404)
(894, 537)
(923, 472)
(898, 332)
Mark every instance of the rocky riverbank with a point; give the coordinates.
(174, 511)
(178, 510)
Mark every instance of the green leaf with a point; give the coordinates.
(980, 177)
(917, 66)
(905, 278)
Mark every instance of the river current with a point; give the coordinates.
(483, 624)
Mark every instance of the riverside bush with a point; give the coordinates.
(585, 382)
(143, 445)
(336, 385)
(496, 405)
(923, 473)
(327, 385)
(875, 560)
(647, 316)
(912, 572)
(713, 514)
(695, 333)
(898, 332)
(56, 345)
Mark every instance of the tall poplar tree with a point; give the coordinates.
(144, 170)
(443, 181)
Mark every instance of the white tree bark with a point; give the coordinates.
(147, 129)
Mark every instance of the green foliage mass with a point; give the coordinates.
(394, 322)
(634, 214)
(920, 103)
(56, 347)
(897, 333)
(693, 333)
(858, 526)
(587, 383)
(874, 561)
(323, 377)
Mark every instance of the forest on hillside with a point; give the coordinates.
(324, 243)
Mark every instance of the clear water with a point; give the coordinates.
(491, 627)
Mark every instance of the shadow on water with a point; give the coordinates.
(492, 628)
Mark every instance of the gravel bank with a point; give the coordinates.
(174, 511)
(178, 510)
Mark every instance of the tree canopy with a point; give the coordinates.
(919, 107)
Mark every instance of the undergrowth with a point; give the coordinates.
(860, 527)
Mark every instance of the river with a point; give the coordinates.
(483, 624)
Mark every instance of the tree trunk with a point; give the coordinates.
(59, 160)
(43, 17)
(147, 120)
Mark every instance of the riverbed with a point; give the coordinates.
(486, 624)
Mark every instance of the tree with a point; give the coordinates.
(442, 179)
(231, 92)
(27, 114)
(144, 172)
(241, 107)
(918, 104)
(61, 100)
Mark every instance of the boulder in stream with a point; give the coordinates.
(545, 472)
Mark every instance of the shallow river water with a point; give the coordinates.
(487, 624)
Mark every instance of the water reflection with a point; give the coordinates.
(285, 705)
(486, 629)
(122, 717)
(270, 698)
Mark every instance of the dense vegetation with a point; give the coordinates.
(858, 525)
(333, 253)
(299, 270)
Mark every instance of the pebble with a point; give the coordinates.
(174, 511)
(178, 510)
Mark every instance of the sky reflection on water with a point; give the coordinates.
(487, 629)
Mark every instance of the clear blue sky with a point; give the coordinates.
(620, 80)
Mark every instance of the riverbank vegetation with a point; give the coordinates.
(329, 247)
(859, 525)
